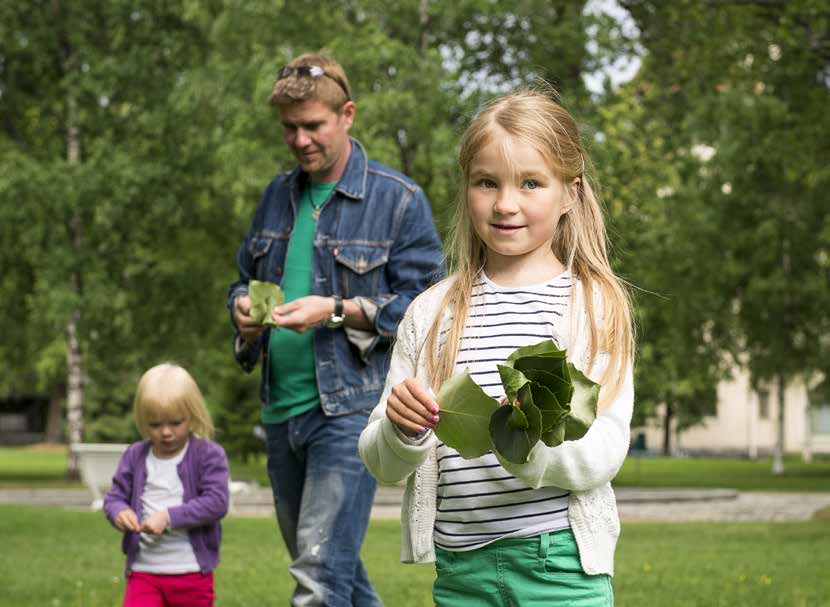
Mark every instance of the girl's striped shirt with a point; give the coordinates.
(480, 502)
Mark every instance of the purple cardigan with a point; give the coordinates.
(204, 475)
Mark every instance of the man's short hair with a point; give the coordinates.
(330, 87)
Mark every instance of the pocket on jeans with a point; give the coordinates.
(444, 562)
(562, 559)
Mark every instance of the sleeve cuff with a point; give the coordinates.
(413, 440)
(362, 339)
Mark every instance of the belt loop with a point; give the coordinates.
(544, 543)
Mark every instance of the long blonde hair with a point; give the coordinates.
(168, 390)
(580, 241)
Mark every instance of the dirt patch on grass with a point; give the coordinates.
(822, 515)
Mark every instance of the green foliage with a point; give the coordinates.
(176, 143)
(547, 398)
(465, 416)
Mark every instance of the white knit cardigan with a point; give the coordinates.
(584, 467)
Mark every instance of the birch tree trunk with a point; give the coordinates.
(667, 419)
(778, 453)
(74, 354)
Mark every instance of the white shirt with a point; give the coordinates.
(478, 501)
(171, 552)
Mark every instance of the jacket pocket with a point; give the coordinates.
(360, 268)
(263, 251)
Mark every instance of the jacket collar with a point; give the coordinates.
(352, 183)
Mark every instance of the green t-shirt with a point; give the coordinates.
(293, 381)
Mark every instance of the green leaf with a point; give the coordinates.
(557, 385)
(545, 349)
(583, 405)
(465, 416)
(553, 412)
(518, 419)
(514, 443)
(554, 437)
(265, 296)
(512, 380)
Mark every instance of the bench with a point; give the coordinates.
(97, 463)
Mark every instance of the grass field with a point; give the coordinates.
(60, 558)
(44, 466)
(741, 474)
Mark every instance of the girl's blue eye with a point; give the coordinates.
(531, 184)
(486, 183)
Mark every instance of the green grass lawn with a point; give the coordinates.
(37, 466)
(55, 557)
(46, 467)
(741, 474)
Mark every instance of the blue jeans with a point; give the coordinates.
(323, 496)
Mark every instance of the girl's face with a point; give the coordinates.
(168, 434)
(515, 210)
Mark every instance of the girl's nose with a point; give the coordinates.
(503, 203)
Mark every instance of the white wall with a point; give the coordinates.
(738, 426)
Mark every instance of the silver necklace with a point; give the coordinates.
(315, 213)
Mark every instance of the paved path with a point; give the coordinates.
(667, 505)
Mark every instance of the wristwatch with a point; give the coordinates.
(337, 317)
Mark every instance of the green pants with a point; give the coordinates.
(541, 571)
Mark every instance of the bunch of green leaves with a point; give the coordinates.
(547, 399)
(265, 296)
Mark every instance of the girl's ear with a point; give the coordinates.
(573, 194)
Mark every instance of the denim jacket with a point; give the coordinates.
(375, 239)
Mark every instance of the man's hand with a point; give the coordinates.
(411, 407)
(304, 313)
(248, 329)
(127, 520)
(156, 523)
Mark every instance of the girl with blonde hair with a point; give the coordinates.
(529, 251)
(169, 493)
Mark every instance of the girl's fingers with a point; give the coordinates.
(408, 411)
(405, 417)
(422, 395)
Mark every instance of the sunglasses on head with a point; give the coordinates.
(312, 71)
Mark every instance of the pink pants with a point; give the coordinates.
(182, 590)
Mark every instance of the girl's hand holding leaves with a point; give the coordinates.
(265, 296)
(548, 399)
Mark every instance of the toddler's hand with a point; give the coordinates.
(411, 407)
(156, 523)
(127, 520)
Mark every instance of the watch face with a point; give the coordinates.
(335, 321)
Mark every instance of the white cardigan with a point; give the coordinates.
(585, 467)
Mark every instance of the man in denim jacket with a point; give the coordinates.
(351, 242)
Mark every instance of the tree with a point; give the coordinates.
(753, 79)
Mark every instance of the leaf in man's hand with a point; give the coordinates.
(465, 411)
(583, 405)
(265, 296)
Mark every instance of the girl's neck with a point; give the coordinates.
(519, 271)
(166, 455)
